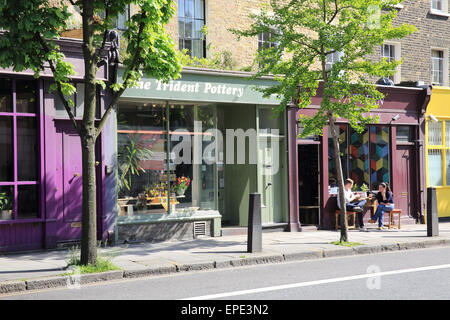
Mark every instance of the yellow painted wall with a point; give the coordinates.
(439, 107)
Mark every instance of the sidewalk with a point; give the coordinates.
(40, 270)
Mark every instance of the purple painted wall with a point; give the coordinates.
(60, 164)
(410, 104)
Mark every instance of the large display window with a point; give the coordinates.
(19, 150)
(166, 158)
(364, 156)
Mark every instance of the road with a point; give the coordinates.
(416, 274)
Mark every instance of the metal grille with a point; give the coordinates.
(199, 229)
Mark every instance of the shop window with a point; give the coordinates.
(359, 157)
(435, 167)
(438, 153)
(191, 20)
(19, 149)
(404, 134)
(343, 147)
(155, 160)
(5, 95)
(379, 155)
(364, 156)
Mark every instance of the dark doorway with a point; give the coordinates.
(308, 184)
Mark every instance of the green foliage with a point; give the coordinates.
(307, 32)
(220, 60)
(129, 157)
(5, 201)
(104, 262)
(364, 187)
(347, 244)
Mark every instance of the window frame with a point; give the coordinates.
(442, 147)
(182, 39)
(15, 183)
(396, 77)
(445, 73)
(440, 12)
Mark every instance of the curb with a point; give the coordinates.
(8, 287)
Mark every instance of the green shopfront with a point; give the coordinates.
(189, 153)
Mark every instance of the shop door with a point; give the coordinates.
(269, 183)
(309, 184)
(69, 182)
(405, 191)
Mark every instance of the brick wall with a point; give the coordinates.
(433, 32)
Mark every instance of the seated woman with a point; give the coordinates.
(385, 203)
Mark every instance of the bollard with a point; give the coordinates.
(432, 213)
(254, 234)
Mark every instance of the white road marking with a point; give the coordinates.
(316, 282)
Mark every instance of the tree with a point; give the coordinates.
(308, 33)
(28, 43)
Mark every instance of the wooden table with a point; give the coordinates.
(162, 201)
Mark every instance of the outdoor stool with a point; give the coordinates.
(350, 213)
(391, 218)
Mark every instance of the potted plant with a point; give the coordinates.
(181, 184)
(5, 206)
(364, 189)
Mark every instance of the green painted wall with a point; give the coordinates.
(240, 179)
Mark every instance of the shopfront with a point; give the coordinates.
(391, 151)
(438, 147)
(192, 150)
(40, 162)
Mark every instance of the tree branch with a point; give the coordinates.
(60, 93)
(132, 67)
(98, 54)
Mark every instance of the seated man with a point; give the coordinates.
(353, 203)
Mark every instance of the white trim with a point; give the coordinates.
(397, 56)
(443, 12)
(445, 66)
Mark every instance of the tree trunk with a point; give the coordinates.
(88, 136)
(89, 207)
(337, 157)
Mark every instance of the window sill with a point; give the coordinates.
(18, 221)
(439, 13)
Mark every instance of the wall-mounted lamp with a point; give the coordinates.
(394, 118)
(433, 118)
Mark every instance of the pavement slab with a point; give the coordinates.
(43, 269)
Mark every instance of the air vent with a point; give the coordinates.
(199, 229)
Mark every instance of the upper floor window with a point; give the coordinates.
(437, 67)
(439, 7)
(122, 18)
(265, 41)
(332, 58)
(191, 20)
(391, 51)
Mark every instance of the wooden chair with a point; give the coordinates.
(392, 214)
(349, 213)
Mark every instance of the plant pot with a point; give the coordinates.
(180, 192)
(6, 215)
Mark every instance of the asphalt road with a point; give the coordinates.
(416, 274)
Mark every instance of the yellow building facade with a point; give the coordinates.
(437, 132)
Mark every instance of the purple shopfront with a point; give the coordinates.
(391, 150)
(40, 162)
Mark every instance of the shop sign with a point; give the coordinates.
(202, 88)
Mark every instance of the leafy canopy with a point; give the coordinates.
(32, 25)
(307, 33)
